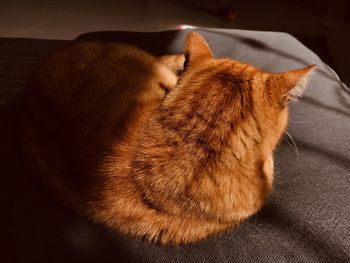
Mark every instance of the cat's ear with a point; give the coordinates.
(291, 84)
(196, 48)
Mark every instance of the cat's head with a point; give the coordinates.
(229, 94)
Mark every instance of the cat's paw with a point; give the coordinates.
(174, 62)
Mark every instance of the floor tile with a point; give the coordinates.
(72, 23)
(22, 21)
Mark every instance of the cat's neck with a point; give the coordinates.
(205, 141)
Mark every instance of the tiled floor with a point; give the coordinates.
(65, 19)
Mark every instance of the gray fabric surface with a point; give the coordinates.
(307, 218)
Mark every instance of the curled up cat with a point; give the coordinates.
(172, 149)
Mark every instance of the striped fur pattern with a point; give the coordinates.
(152, 149)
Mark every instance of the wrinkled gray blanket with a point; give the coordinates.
(307, 218)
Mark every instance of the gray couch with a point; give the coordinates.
(307, 218)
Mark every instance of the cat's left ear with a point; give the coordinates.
(196, 49)
(292, 83)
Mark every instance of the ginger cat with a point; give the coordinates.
(116, 135)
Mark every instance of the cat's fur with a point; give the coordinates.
(111, 132)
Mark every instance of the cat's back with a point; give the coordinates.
(83, 99)
(90, 76)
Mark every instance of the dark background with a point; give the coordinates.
(322, 25)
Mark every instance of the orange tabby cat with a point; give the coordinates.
(116, 136)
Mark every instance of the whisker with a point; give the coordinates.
(294, 144)
(290, 145)
(300, 122)
(277, 171)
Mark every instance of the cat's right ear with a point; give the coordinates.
(196, 49)
(292, 83)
